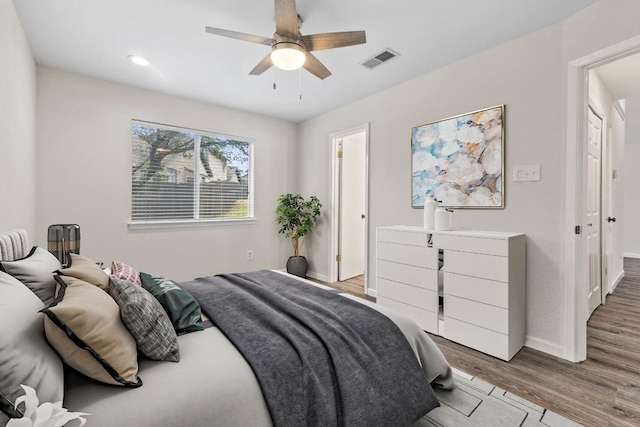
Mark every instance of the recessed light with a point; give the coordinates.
(138, 60)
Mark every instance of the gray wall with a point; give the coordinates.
(17, 124)
(84, 176)
(529, 76)
(532, 118)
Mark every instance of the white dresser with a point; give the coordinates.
(468, 286)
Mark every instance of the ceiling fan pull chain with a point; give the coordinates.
(276, 74)
(300, 83)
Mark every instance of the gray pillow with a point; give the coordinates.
(25, 356)
(147, 321)
(36, 271)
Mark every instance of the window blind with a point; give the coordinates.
(187, 175)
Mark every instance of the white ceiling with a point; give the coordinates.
(622, 77)
(95, 37)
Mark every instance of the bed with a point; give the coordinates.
(215, 384)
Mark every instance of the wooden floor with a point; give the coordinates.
(353, 286)
(603, 391)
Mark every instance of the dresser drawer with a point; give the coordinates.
(403, 237)
(417, 297)
(483, 315)
(409, 274)
(476, 289)
(426, 319)
(484, 340)
(411, 255)
(490, 267)
(472, 244)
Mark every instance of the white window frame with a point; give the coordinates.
(196, 221)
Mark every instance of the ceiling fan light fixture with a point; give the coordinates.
(288, 55)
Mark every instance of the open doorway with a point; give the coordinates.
(610, 85)
(584, 264)
(349, 207)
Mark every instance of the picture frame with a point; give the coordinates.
(459, 161)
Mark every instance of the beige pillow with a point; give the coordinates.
(83, 325)
(85, 269)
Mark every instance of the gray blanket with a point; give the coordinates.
(321, 359)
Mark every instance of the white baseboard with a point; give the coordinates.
(631, 255)
(615, 282)
(545, 347)
(372, 293)
(318, 276)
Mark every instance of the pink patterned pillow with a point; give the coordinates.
(125, 272)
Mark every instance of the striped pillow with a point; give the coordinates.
(123, 271)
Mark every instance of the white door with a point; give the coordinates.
(594, 165)
(352, 206)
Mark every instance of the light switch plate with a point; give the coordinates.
(526, 173)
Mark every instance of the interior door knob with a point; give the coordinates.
(363, 217)
(610, 219)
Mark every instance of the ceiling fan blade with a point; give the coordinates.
(287, 18)
(333, 40)
(315, 67)
(262, 66)
(240, 36)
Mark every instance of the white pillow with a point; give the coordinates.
(25, 356)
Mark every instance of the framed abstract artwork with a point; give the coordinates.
(459, 161)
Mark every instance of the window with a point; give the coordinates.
(182, 175)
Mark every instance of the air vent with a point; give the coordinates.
(380, 58)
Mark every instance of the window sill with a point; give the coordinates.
(150, 225)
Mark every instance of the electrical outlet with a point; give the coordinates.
(249, 254)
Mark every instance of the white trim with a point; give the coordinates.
(616, 282)
(149, 225)
(318, 276)
(372, 292)
(621, 112)
(631, 255)
(575, 340)
(545, 346)
(334, 203)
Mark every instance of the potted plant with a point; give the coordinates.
(296, 217)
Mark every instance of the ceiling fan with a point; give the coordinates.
(291, 50)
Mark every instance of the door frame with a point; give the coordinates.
(576, 265)
(335, 203)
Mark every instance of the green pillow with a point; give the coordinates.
(182, 308)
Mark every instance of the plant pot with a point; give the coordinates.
(298, 266)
